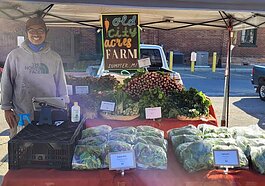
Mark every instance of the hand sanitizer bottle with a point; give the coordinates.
(75, 112)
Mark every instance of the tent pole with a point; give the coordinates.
(225, 112)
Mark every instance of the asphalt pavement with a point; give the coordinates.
(243, 111)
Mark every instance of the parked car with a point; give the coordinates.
(258, 80)
(157, 58)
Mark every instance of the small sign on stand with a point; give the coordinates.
(153, 113)
(107, 106)
(226, 159)
(81, 90)
(122, 161)
(145, 62)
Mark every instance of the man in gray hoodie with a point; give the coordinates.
(32, 70)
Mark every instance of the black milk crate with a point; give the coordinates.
(44, 146)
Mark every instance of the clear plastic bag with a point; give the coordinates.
(149, 131)
(153, 141)
(150, 156)
(128, 138)
(101, 130)
(177, 140)
(125, 130)
(88, 157)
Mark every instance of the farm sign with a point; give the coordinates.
(120, 41)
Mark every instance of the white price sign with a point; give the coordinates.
(145, 62)
(226, 157)
(153, 113)
(81, 89)
(107, 106)
(122, 160)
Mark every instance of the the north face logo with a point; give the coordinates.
(37, 68)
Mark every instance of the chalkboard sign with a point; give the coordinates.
(120, 41)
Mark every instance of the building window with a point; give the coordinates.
(248, 37)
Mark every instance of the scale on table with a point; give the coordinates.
(44, 107)
(227, 158)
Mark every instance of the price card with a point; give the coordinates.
(145, 62)
(122, 160)
(226, 157)
(153, 113)
(81, 89)
(70, 90)
(107, 106)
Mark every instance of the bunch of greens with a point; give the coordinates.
(153, 98)
(190, 103)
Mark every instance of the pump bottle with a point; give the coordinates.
(75, 112)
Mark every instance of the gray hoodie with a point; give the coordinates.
(29, 74)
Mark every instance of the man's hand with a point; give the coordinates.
(10, 118)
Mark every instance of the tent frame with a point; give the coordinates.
(229, 20)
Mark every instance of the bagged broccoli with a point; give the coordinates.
(211, 129)
(101, 130)
(93, 141)
(252, 131)
(179, 149)
(257, 155)
(246, 143)
(217, 135)
(177, 140)
(153, 141)
(149, 131)
(184, 130)
(115, 136)
(197, 156)
(125, 130)
(116, 146)
(88, 157)
(221, 141)
(150, 156)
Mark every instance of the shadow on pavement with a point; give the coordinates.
(254, 107)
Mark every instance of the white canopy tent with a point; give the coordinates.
(166, 15)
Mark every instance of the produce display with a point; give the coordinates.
(98, 88)
(96, 143)
(145, 81)
(194, 147)
(142, 90)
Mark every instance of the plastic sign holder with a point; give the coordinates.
(228, 158)
(107, 106)
(122, 161)
(153, 113)
(145, 62)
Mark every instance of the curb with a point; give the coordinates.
(208, 69)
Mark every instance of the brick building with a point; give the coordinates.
(83, 44)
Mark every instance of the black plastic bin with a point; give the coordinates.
(44, 146)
